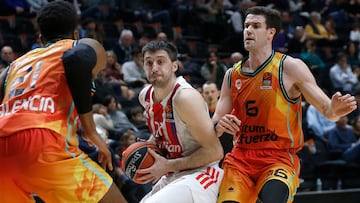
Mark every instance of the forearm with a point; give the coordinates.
(199, 158)
(329, 113)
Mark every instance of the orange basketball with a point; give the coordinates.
(137, 156)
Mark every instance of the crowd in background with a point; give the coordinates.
(325, 34)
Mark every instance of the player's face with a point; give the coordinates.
(255, 32)
(159, 68)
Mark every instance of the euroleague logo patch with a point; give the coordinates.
(266, 81)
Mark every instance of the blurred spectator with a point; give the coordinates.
(213, 70)
(318, 124)
(148, 12)
(119, 118)
(191, 70)
(315, 29)
(235, 57)
(341, 75)
(356, 113)
(6, 56)
(87, 25)
(19, 8)
(297, 43)
(134, 73)
(113, 69)
(287, 24)
(102, 121)
(103, 88)
(280, 41)
(37, 4)
(162, 36)
(211, 18)
(211, 95)
(330, 28)
(137, 117)
(38, 41)
(124, 47)
(314, 62)
(144, 39)
(355, 33)
(355, 123)
(283, 5)
(353, 10)
(114, 76)
(236, 18)
(352, 52)
(296, 5)
(342, 138)
(101, 11)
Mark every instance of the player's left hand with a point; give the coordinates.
(342, 105)
(104, 157)
(154, 173)
(228, 123)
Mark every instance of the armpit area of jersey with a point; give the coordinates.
(78, 63)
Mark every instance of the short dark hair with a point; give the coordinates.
(57, 19)
(272, 16)
(156, 45)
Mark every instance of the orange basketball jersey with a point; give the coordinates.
(270, 119)
(37, 94)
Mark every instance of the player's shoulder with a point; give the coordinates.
(187, 95)
(292, 62)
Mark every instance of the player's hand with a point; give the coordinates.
(154, 173)
(104, 157)
(228, 123)
(342, 105)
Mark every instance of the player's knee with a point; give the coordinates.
(274, 191)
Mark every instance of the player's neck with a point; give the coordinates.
(161, 92)
(257, 58)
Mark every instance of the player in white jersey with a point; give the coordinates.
(180, 124)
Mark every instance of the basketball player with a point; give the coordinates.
(260, 103)
(180, 125)
(42, 95)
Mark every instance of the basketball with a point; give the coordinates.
(137, 156)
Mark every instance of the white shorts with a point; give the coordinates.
(195, 186)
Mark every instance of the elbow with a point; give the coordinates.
(219, 154)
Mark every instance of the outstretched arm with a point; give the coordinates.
(86, 59)
(300, 80)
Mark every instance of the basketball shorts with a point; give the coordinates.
(39, 161)
(245, 176)
(198, 186)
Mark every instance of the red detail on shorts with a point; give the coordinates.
(210, 177)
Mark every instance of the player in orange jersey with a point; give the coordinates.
(42, 95)
(260, 104)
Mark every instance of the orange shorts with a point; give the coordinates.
(39, 161)
(245, 174)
